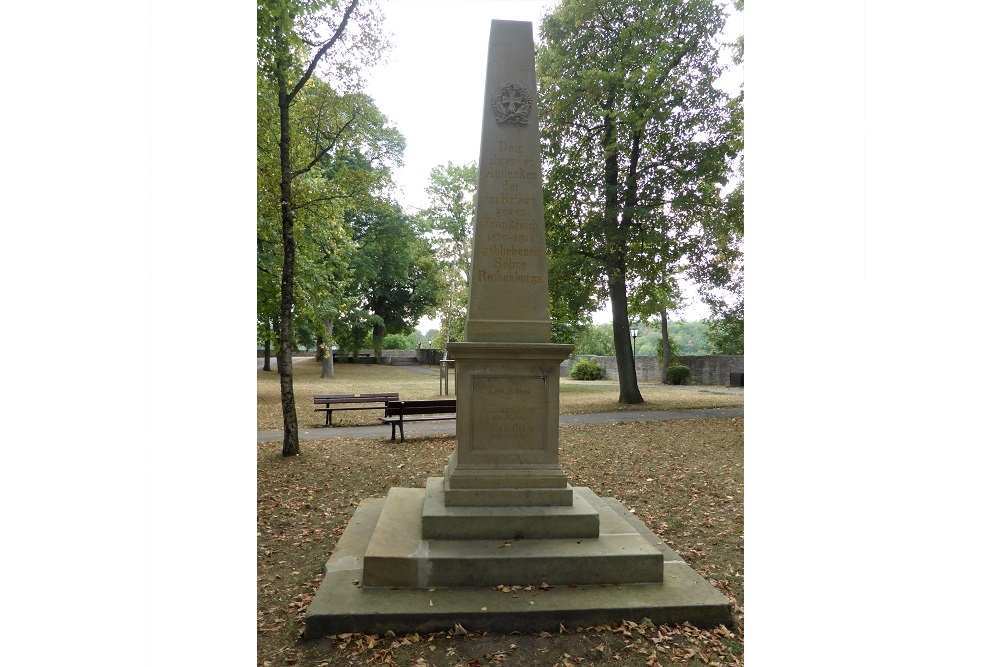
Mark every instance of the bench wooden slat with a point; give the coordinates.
(350, 401)
(419, 407)
(354, 398)
(398, 412)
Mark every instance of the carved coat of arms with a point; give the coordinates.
(511, 103)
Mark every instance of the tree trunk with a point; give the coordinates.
(327, 371)
(378, 335)
(665, 337)
(267, 352)
(290, 443)
(628, 385)
(616, 229)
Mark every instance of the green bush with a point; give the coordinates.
(678, 374)
(399, 342)
(585, 369)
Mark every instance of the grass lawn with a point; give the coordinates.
(575, 397)
(684, 479)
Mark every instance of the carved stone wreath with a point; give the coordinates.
(511, 103)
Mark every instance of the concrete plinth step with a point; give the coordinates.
(441, 522)
(342, 604)
(399, 555)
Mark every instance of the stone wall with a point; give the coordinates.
(391, 357)
(297, 354)
(713, 369)
(705, 369)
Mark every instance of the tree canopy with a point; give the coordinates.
(395, 272)
(637, 144)
(448, 222)
(312, 117)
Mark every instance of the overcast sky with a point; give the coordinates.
(431, 87)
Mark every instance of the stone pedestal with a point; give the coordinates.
(508, 426)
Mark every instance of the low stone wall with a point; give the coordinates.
(713, 369)
(429, 356)
(705, 369)
(297, 354)
(391, 357)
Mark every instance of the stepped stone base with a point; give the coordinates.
(386, 575)
(451, 522)
(399, 554)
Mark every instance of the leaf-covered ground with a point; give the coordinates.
(684, 479)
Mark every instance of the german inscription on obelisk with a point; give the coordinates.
(507, 370)
(509, 288)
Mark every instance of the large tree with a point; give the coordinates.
(634, 136)
(395, 271)
(448, 222)
(720, 275)
(298, 40)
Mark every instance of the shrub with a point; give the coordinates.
(399, 342)
(585, 369)
(678, 374)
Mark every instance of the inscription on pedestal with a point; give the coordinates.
(510, 413)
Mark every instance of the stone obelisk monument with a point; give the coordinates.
(504, 512)
(507, 371)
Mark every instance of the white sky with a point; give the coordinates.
(431, 87)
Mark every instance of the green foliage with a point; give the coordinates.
(677, 374)
(452, 195)
(659, 348)
(339, 150)
(448, 223)
(585, 369)
(688, 338)
(725, 335)
(637, 145)
(400, 341)
(394, 270)
(595, 339)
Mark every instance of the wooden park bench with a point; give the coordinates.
(398, 412)
(352, 402)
